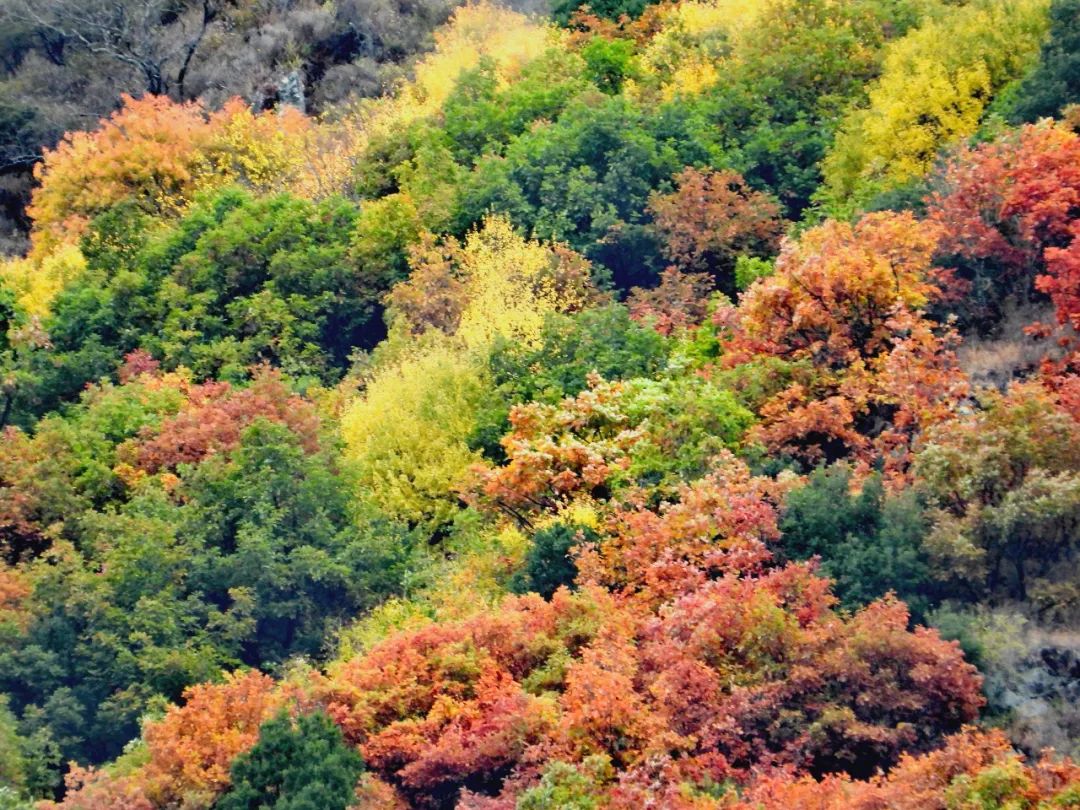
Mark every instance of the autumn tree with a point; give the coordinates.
(849, 300)
(703, 685)
(1055, 81)
(149, 150)
(1010, 211)
(972, 768)
(1005, 489)
(713, 218)
(611, 437)
(192, 747)
(679, 302)
(934, 88)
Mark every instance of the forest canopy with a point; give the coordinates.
(422, 405)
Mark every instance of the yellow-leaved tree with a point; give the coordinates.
(36, 281)
(482, 30)
(407, 433)
(935, 87)
(688, 53)
(497, 283)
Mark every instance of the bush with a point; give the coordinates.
(549, 564)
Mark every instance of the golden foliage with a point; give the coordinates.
(936, 85)
(37, 279)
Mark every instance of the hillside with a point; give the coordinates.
(641, 406)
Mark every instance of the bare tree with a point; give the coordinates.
(158, 38)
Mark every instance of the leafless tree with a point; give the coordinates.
(158, 38)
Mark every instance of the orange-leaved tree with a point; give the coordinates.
(849, 300)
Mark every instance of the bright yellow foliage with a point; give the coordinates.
(280, 151)
(936, 85)
(260, 151)
(697, 37)
(497, 283)
(407, 433)
(36, 281)
(508, 39)
(509, 286)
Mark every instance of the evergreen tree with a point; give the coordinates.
(301, 765)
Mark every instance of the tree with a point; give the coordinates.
(734, 670)
(973, 768)
(191, 748)
(1007, 497)
(611, 437)
(496, 285)
(713, 218)
(131, 33)
(148, 151)
(213, 418)
(407, 435)
(602, 340)
(549, 563)
(935, 86)
(848, 300)
(868, 542)
(300, 764)
(266, 280)
(1054, 83)
(680, 302)
(586, 179)
(1011, 210)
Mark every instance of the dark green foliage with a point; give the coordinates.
(604, 340)
(237, 282)
(296, 765)
(586, 179)
(549, 564)
(260, 557)
(480, 118)
(270, 281)
(868, 542)
(281, 525)
(1055, 81)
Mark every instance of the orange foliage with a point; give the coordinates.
(159, 154)
(149, 151)
(719, 524)
(446, 705)
(585, 25)
(192, 747)
(848, 300)
(711, 219)
(733, 673)
(945, 778)
(14, 588)
(1012, 198)
(190, 750)
(1015, 201)
(89, 789)
(557, 451)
